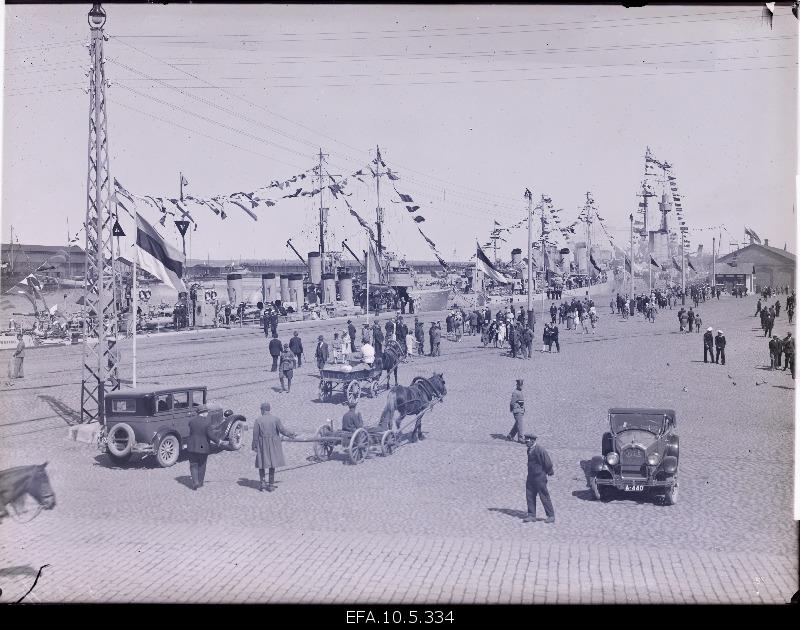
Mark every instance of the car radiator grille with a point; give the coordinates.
(632, 461)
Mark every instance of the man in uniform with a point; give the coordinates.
(296, 346)
(708, 345)
(275, 347)
(267, 431)
(352, 419)
(527, 340)
(719, 343)
(690, 316)
(517, 408)
(288, 362)
(540, 467)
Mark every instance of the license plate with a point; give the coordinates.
(634, 488)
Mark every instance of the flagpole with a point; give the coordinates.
(135, 311)
(529, 197)
(366, 253)
(714, 262)
(632, 281)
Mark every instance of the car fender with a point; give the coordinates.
(161, 432)
(229, 422)
(673, 445)
(598, 464)
(670, 465)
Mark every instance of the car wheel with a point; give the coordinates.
(168, 450)
(601, 493)
(671, 495)
(236, 436)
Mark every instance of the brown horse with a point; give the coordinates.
(17, 483)
(412, 400)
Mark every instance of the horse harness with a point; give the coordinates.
(423, 393)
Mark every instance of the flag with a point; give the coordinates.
(675, 264)
(594, 264)
(361, 221)
(405, 198)
(653, 262)
(483, 264)
(31, 281)
(412, 208)
(628, 265)
(768, 12)
(691, 266)
(392, 176)
(184, 181)
(373, 265)
(157, 257)
(247, 210)
(420, 219)
(430, 242)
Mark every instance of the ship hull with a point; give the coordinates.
(430, 299)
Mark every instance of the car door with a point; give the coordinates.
(182, 412)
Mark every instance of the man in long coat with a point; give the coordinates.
(540, 467)
(275, 347)
(351, 332)
(321, 353)
(377, 339)
(198, 448)
(267, 431)
(296, 346)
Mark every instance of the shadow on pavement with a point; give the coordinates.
(185, 480)
(18, 570)
(783, 387)
(67, 414)
(254, 484)
(520, 514)
(135, 461)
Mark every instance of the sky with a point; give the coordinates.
(470, 105)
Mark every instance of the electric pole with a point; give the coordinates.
(322, 217)
(529, 198)
(632, 284)
(100, 372)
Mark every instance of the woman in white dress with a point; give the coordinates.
(501, 334)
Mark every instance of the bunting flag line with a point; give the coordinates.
(361, 221)
(628, 265)
(653, 262)
(421, 219)
(675, 264)
(432, 245)
(594, 264)
(691, 266)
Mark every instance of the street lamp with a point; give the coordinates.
(97, 17)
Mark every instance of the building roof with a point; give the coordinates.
(50, 249)
(787, 256)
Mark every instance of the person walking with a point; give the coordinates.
(267, 432)
(788, 352)
(296, 346)
(517, 408)
(321, 353)
(719, 343)
(275, 347)
(287, 364)
(198, 448)
(758, 308)
(768, 324)
(15, 368)
(690, 316)
(708, 345)
(540, 467)
(527, 340)
(775, 352)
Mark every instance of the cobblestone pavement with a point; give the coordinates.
(438, 521)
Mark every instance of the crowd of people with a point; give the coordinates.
(768, 313)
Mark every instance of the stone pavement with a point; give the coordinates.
(438, 521)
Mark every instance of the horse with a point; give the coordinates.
(390, 358)
(412, 401)
(16, 483)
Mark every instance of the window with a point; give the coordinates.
(198, 398)
(125, 405)
(163, 403)
(180, 400)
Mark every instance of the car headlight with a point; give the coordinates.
(612, 458)
(653, 459)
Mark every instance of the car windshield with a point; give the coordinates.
(639, 421)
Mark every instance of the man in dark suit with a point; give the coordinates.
(296, 346)
(377, 339)
(540, 467)
(321, 353)
(200, 436)
(352, 419)
(351, 331)
(275, 347)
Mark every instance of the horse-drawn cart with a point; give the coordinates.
(351, 382)
(357, 444)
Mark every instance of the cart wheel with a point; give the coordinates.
(388, 443)
(359, 445)
(353, 392)
(373, 389)
(323, 449)
(325, 390)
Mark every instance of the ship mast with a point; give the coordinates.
(322, 218)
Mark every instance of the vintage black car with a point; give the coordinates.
(156, 421)
(640, 454)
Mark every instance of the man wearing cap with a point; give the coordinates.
(788, 352)
(517, 408)
(775, 352)
(267, 431)
(351, 331)
(708, 345)
(352, 419)
(287, 365)
(540, 467)
(321, 353)
(719, 343)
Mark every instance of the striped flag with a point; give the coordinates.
(484, 264)
(691, 266)
(157, 257)
(675, 264)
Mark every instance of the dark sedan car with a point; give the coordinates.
(640, 454)
(156, 421)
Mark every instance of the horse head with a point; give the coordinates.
(40, 489)
(437, 380)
